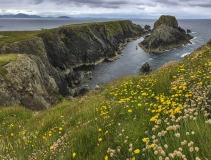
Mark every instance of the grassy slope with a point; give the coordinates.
(165, 114)
(161, 115)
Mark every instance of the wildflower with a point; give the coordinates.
(146, 140)
(106, 157)
(99, 129)
(165, 146)
(12, 134)
(151, 145)
(129, 111)
(51, 147)
(196, 149)
(100, 139)
(137, 151)
(177, 135)
(155, 152)
(130, 149)
(191, 149)
(74, 154)
(60, 128)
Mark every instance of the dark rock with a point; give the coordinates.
(145, 69)
(188, 31)
(147, 28)
(165, 36)
(83, 91)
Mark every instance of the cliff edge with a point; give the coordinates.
(46, 66)
(165, 35)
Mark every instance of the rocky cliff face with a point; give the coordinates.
(165, 35)
(46, 65)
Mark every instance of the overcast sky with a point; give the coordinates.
(110, 8)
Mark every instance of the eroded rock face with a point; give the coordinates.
(28, 85)
(166, 35)
(46, 66)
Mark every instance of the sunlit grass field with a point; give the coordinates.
(161, 116)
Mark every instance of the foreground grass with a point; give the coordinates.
(165, 115)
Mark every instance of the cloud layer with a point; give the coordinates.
(116, 8)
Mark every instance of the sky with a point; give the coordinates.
(144, 9)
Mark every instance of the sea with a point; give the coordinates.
(131, 59)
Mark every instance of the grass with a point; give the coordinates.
(14, 36)
(4, 59)
(164, 115)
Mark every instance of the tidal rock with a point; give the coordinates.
(97, 87)
(145, 69)
(188, 31)
(166, 35)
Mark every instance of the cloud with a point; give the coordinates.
(38, 1)
(178, 8)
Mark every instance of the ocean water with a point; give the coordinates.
(131, 59)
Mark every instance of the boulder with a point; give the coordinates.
(97, 87)
(145, 69)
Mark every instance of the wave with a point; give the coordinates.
(185, 54)
(193, 32)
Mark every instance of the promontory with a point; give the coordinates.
(38, 67)
(165, 35)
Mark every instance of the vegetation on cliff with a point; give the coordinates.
(164, 115)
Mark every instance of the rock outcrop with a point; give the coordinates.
(145, 69)
(166, 35)
(47, 65)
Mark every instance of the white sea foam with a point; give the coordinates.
(185, 54)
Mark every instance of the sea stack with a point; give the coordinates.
(165, 35)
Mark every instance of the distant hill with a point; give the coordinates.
(63, 17)
(20, 15)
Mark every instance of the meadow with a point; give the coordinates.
(161, 116)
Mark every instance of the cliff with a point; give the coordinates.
(46, 64)
(165, 35)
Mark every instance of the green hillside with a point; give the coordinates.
(165, 115)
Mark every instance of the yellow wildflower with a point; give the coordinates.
(137, 151)
(100, 139)
(129, 110)
(106, 157)
(60, 128)
(146, 140)
(74, 154)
